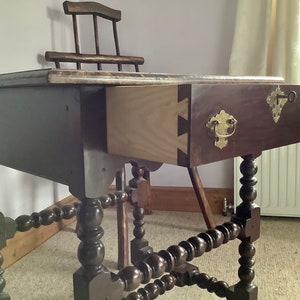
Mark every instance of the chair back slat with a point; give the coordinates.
(116, 43)
(76, 39)
(96, 36)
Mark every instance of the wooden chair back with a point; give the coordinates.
(95, 10)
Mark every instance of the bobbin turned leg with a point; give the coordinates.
(93, 281)
(248, 215)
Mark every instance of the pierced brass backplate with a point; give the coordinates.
(277, 100)
(223, 125)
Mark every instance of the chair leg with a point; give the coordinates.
(122, 219)
(147, 207)
(201, 197)
(122, 224)
(123, 251)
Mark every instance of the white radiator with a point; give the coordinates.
(278, 181)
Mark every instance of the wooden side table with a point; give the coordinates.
(78, 128)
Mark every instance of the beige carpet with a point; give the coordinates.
(46, 273)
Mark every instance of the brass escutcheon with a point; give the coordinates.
(220, 124)
(277, 100)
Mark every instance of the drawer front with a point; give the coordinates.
(258, 117)
(149, 122)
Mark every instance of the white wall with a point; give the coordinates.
(27, 30)
(173, 35)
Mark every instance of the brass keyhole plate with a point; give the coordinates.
(277, 101)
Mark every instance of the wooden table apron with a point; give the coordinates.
(79, 127)
(53, 122)
(59, 132)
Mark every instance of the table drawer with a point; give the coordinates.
(149, 122)
(173, 123)
(262, 117)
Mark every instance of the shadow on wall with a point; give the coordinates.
(23, 193)
(61, 34)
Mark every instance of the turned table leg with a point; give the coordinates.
(248, 215)
(93, 281)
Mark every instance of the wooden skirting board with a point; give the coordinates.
(184, 198)
(163, 198)
(24, 242)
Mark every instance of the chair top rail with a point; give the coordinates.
(91, 8)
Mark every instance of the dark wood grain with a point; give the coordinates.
(255, 130)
